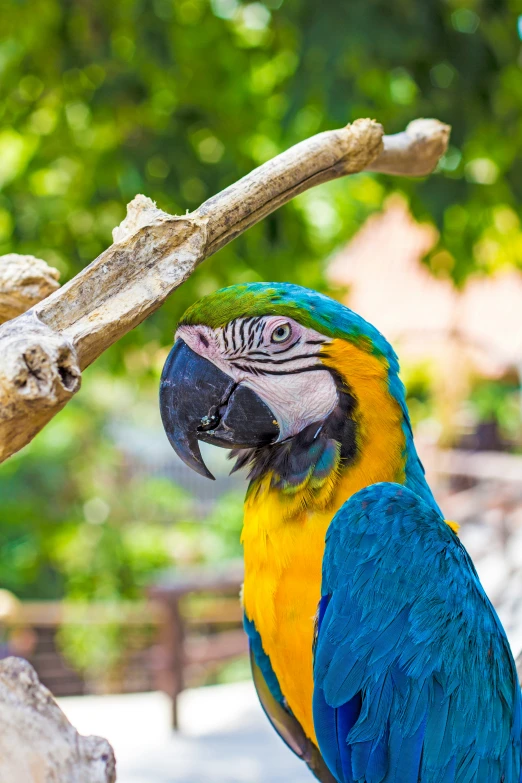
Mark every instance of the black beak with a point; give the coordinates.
(200, 402)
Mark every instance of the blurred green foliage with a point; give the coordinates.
(75, 520)
(498, 401)
(177, 99)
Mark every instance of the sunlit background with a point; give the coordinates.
(177, 99)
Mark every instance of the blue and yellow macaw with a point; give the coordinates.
(375, 652)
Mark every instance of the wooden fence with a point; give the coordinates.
(181, 636)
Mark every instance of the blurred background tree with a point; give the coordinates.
(177, 99)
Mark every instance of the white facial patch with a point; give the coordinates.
(278, 359)
(297, 400)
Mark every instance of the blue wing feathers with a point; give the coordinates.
(262, 660)
(413, 676)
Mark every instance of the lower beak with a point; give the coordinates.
(200, 402)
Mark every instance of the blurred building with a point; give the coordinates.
(464, 333)
(390, 286)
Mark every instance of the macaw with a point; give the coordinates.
(375, 652)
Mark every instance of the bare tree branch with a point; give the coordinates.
(414, 153)
(24, 281)
(44, 350)
(37, 742)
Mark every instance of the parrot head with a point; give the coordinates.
(257, 368)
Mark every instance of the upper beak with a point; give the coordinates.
(200, 402)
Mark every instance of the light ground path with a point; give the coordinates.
(224, 737)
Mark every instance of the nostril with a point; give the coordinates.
(213, 418)
(209, 422)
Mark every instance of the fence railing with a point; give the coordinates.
(185, 632)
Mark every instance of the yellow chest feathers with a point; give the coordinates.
(283, 537)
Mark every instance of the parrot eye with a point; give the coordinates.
(281, 333)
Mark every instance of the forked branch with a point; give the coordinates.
(44, 351)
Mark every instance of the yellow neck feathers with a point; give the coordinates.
(283, 537)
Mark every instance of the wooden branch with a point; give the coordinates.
(414, 153)
(44, 350)
(37, 742)
(24, 281)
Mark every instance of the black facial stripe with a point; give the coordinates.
(288, 359)
(242, 331)
(247, 331)
(244, 368)
(293, 372)
(240, 335)
(259, 329)
(284, 350)
(251, 331)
